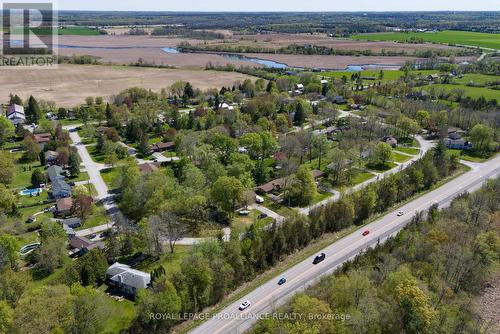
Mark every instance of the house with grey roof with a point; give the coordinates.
(126, 279)
(60, 189)
(55, 173)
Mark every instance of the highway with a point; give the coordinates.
(268, 296)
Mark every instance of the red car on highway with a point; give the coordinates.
(365, 233)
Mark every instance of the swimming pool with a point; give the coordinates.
(27, 192)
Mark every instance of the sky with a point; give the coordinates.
(280, 5)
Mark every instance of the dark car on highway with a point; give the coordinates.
(319, 258)
(282, 281)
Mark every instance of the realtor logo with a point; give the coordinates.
(29, 34)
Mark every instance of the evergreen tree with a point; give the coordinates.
(33, 112)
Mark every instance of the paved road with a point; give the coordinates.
(102, 189)
(269, 295)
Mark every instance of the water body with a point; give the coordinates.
(233, 56)
(266, 63)
(170, 50)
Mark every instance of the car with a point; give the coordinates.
(262, 216)
(400, 213)
(319, 258)
(244, 305)
(31, 219)
(282, 281)
(93, 236)
(365, 233)
(72, 184)
(244, 213)
(259, 199)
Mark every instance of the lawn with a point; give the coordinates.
(171, 262)
(241, 223)
(360, 178)
(381, 167)
(318, 197)
(82, 31)
(407, 150)
(477, 39)
(391, 75)
(476, 78)
(278, 208)
(98, 217)
(95, 154)
(469, 156)
(398, 157)
(473, 92)
(109, 175)
(82, 176)
(120, 314)
(22, 176)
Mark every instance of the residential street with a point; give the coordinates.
(102, 189)
(268, 296)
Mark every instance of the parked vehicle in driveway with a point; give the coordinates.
(282, 281)
(244, 213)
(319, 258)
(244, 305)
(262, 216)
(259, 199)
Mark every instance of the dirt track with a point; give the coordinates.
(70, 84)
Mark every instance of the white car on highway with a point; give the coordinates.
(400, 213)
(244, 305)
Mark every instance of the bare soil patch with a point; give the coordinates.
(70, 84)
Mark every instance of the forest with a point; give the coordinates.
(422, 281)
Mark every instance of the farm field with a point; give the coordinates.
(482, 40)
(69, 85)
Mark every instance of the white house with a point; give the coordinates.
(15, 114)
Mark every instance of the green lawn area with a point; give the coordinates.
(473, 92)
(321, 196)
(360, 178)
(83, 31)
(120, 314)
(154, 140)
(407, 150)
(482, 40)
(241, 223)
(171, 262)
(476, 78)
(381, 168)
(389, 75)
(109, 175)
(469, 156)
(398, 157)
(95, 154)
(83, 176)
(22, 175)
(170, 154)
(278, 208)
(98, 217)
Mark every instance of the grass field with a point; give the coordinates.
(451, 37)
(80, 31)
(473, 92)
(407, 150)
(389, 75)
